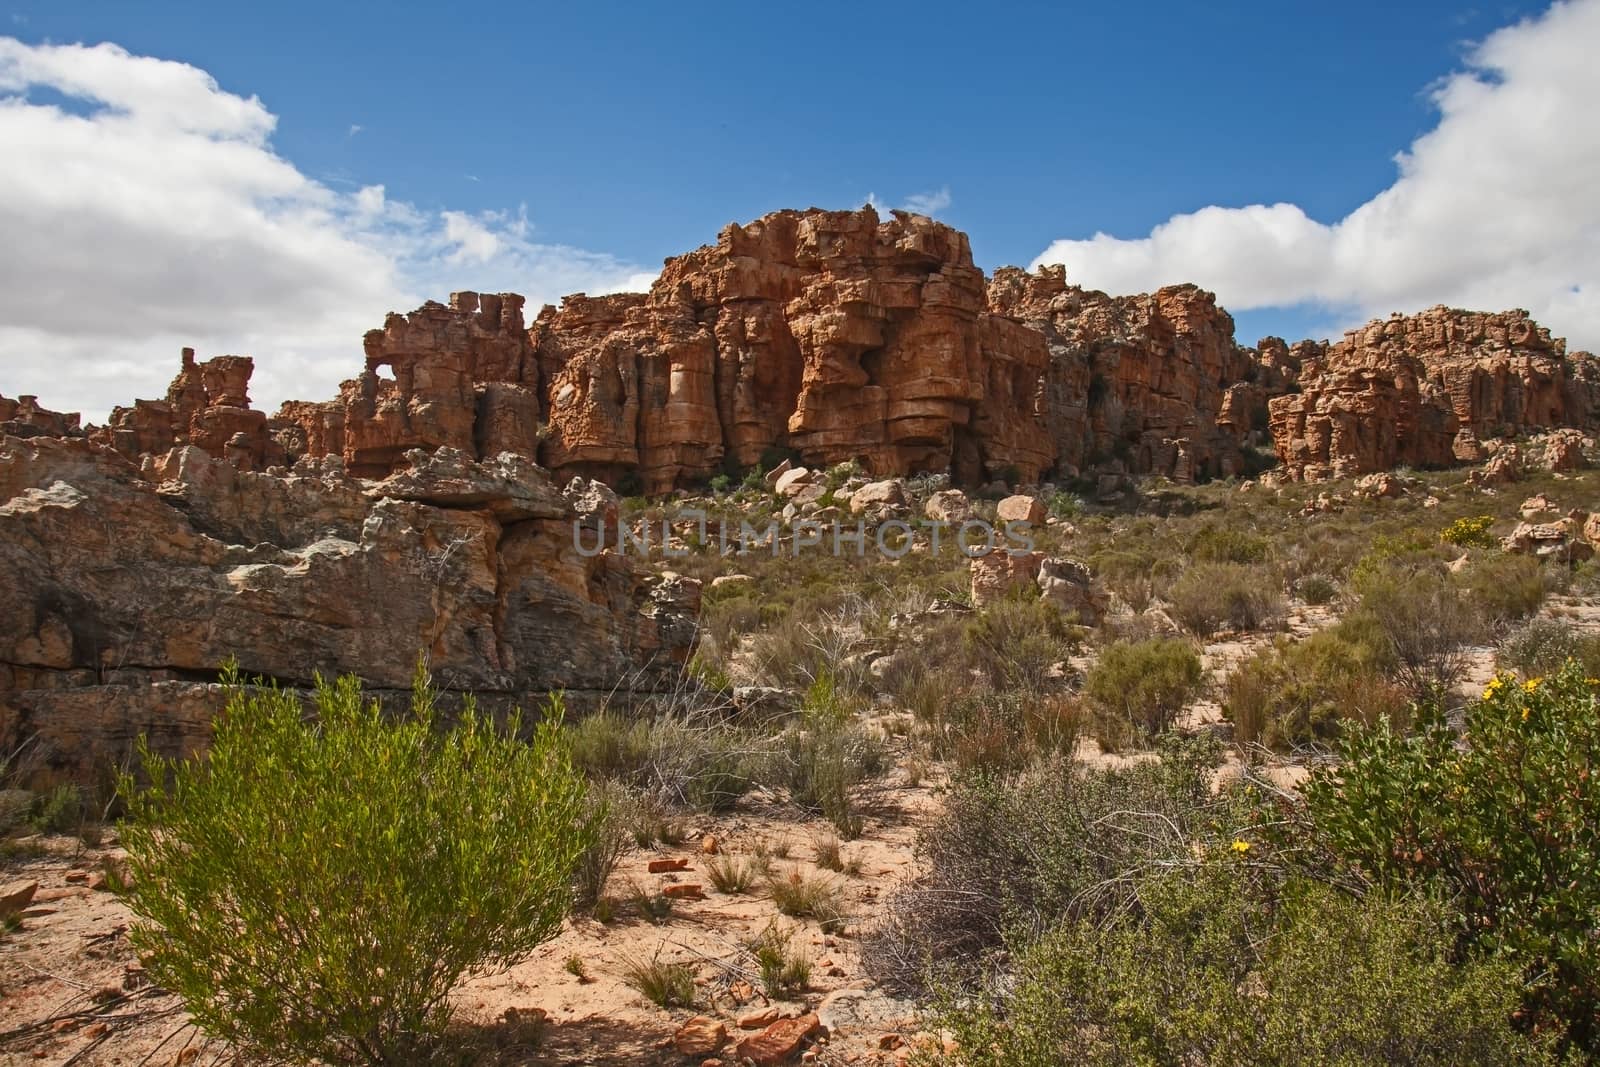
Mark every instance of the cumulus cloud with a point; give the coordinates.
(1494, 207)
(918, 203)
(929, 203)
(145, 209)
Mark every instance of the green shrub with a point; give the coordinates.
(1508, 824)
(1470, 532)
(314, 890)
(1424, 619)
(1316, 589)
(667, 985)
(785, 973)
(1015, 642)
(1504, 588)
(1543, 645)
(809, 896)
(824, 757)
(1226, 544)
(1017, 855)
(1301, 691)
(1212, 970)
(1139, 687)
(692, 758)
(60, 811)
(1213, 596)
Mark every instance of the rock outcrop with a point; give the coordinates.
(23, 417)
(1141, 384)
(122, 590)
(823, 337)
(830, 334)
(1427, 391)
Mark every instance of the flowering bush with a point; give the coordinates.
(1470, 532)
(1505, 820)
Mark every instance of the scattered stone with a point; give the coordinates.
(15, 898)
(1021, 508)
(998, 574)
(879, 499)
(683, 891)
(1068, 585)
(949, 505)
(662, 866)
(723, 581)
(758, 1019)
(779, 1041)
(700, 1036)
(792, 481)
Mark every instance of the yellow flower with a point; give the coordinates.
(1531, 684)
(1240, 846)
(1524, 713)
(1493, 687)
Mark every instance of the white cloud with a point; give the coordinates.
(929, 203)
(151, 212)
(918, 203)
(1495, 207)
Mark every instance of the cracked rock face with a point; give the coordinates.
(122, 590)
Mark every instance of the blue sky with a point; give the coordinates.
(634, 133)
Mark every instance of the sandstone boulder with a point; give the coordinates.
(1022, 508)
(949, 505)
(700, 1036)
(879, 499)
(793, 480)
(996, 575)
(1068, 585)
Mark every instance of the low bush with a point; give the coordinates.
(1015, 642)
(1425, 620)
(1139, 687)
(667, 985)
(1544, 645)
(734, 874)
(1209, 597)
(785, 972)
(809, 896)
(1017, 855)
(693, 757)
(1507, 825)
(1214, 968)
(826, 756)
(1503, 588)
(1225, 544)
(313, 890)
(1302, 691)
(1471, 531)
(1004, 732)
(1316, 589)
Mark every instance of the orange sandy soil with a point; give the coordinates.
(72, 990)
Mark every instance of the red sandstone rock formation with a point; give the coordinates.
(840, 336)
(207, 406)
(23, 417)
(1141, 384)
(1426, 390)
(829, 333)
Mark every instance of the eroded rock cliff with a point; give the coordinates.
(1142, 384)
(123, 588)
(1428, 390)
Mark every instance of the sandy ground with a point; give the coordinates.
(72, 992)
